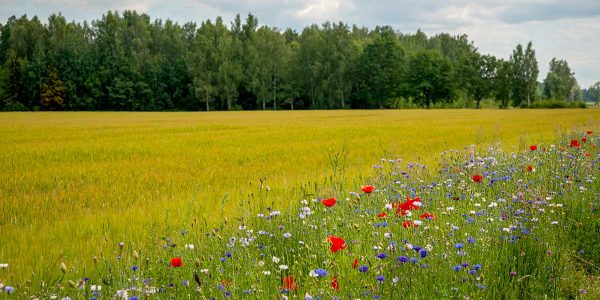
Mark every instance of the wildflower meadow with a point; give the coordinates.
(480, 221)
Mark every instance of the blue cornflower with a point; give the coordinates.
(134, 268)
(403, 259)
(423, 253)
(321, 272)
(471, 240)
(380, 278)
(381, 255)
(228, 254)
(363, 268)
(459, 246)
(417, 248)
(414, 260)
(473, 272)
(465, 264)
(481, 286)
(456, 268)
(477, 267)
(134, 298)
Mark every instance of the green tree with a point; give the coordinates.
(560, 81)
(380, 69)
(482, 84)
(429, 78)
(524, 72)
(53, 91)
(503, 83)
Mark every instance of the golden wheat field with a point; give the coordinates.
(74, 184)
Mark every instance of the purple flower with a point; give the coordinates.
(381, 255)
(403, 259)
(380, 278)
(321, 272)
(423, 253)
(471, 240)
(456, 268)
(363, 268)
(459, 246)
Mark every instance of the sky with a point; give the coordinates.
(563, 29)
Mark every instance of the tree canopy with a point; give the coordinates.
(129, 61)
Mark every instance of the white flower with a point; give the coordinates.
(242, 227)
(96, 288)
(429, 247)
(283, 267)
(506, 229)
(261, 263)
(266, 273)
(205, 271)
(3, 266)
(388, 206)
(409, 246)
(554, 223)
(450, 208)
(312, 273)
(260, 215)
(276, 259)
(417, 222)
(121, 294)
(287, 235)
(189, 246)
(387, 235)
(493, 204)
(304, 202)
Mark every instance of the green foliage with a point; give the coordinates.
(560, 83)
(53, 91)
(128, 61)
(553, 103)
(428, 79)
(524, 72)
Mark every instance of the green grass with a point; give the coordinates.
(72, 185)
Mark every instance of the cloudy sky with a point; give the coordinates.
(558, 28)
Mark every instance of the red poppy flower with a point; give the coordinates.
(587, 154)
(533, 147)
(355, 263)
(477, 178)
(334, 283)
(589, 132)
(337, 243)
(574, 143)
(428, 216)
(529, 168)
(368, 189)
(584, 139)
(176, 262)
(407, 224)
(382, 215)
(289, 283)
(329, 202)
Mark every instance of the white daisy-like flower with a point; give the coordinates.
(283, 267)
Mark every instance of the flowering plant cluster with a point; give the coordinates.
(486, 224)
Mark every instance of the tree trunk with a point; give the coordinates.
(478, 100)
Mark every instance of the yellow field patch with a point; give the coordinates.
(72, 185)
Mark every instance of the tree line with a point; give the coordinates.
(127, 61)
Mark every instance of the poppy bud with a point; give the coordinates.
(197, 262)
(72, 284)
(63, 268)
(121, 245)
(136, 255)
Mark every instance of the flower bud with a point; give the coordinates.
(63, 268)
